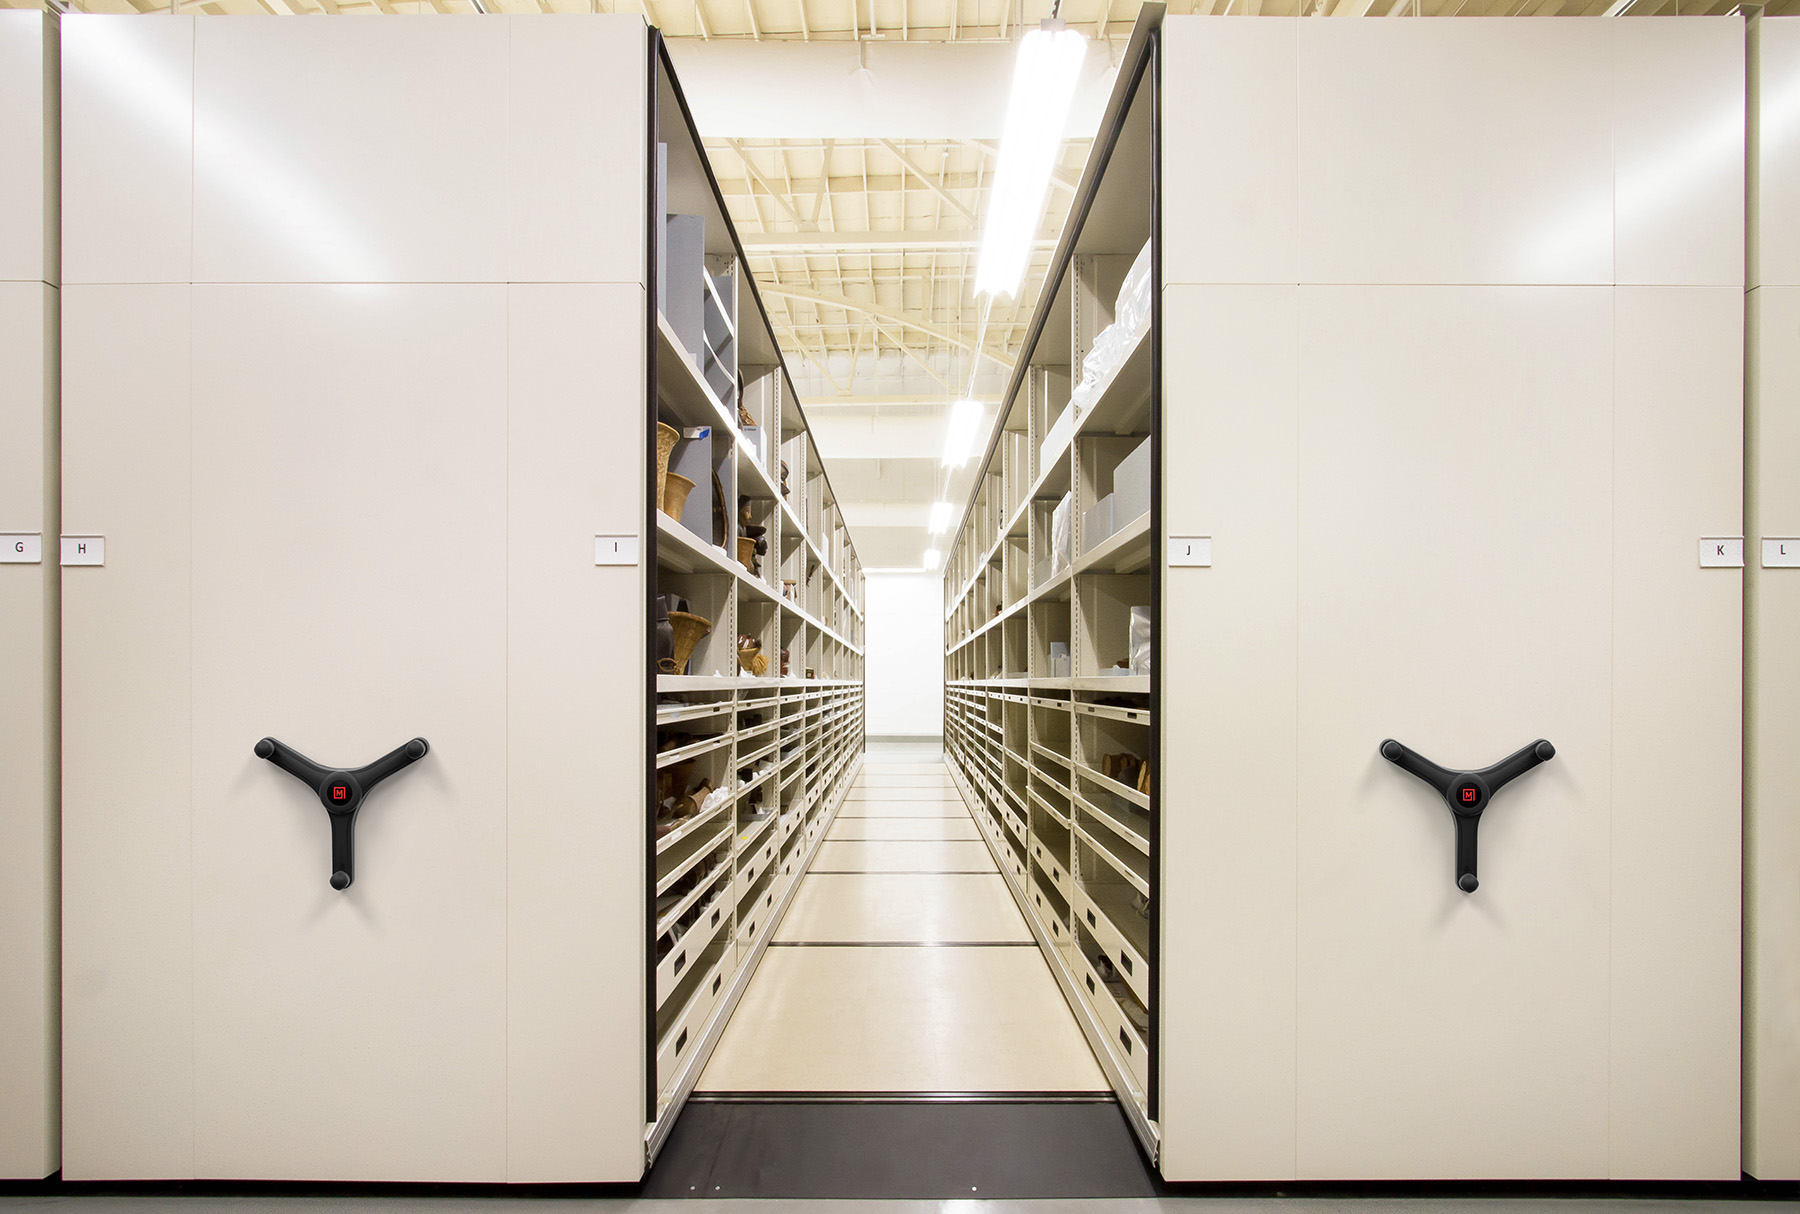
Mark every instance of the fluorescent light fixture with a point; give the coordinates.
(963, 433)
(932, 557)
(940, 518)
(1037, 114)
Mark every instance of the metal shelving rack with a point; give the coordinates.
(1036, 746)
(787, 744)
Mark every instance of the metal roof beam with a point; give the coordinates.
(910, 166)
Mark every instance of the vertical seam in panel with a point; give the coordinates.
(193, 965)
(506, 698)
(1294, 1161)
(1299, 252)
(1752, 584)
(193, 961)
(1612, 696)
(1612, 596)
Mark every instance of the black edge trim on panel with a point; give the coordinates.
(1149, 19)
(652, 246)
(1141, 52)
(1159, 552)
(737, 247)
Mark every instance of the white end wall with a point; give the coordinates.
(904, 655)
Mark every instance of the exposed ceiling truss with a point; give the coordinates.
(861, 247)
(907, 20)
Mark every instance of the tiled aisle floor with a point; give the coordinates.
(903, 964)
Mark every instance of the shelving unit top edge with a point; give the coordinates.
(1137, 48)
(761, 313)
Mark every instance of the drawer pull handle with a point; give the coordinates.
(1091, 921)
(680, 964)
(718, 981)
(1125, 963)
(1125, 1041)
(681, 1041)
(715, 918)
(1091, 989)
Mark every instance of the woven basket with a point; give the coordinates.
(747, 553)
(753, 660)
(675, 494)
(666, 438)
(689, 628)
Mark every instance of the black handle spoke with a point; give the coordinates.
(1467, 793)
(341, 791)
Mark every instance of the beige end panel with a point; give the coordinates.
(1677, 729)
(576, 148)
(575, 734)
(28, 142)
(349, 578)
(30, 1031)
(1774, 236)
(1230, 157)
(1772, 792)
(127, 149)
(1455, 547)
(1229, 818)
(30, 676)
(1772, 642)
(128, 978)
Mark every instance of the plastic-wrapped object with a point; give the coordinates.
(1114, 344)
(1131, 312)
(1060, 536)
(1061, 430)
(1140, 640)
(718, 796)
(1097, 368)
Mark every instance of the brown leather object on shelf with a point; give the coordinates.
(689, 805)
(1123, 767)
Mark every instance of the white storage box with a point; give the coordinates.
(1131, 486)
(1097, 524)
(1059, 659)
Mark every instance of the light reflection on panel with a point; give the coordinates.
(127, 149)
(315, 159)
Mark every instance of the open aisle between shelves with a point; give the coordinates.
(756, 608)
(1051, 592)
